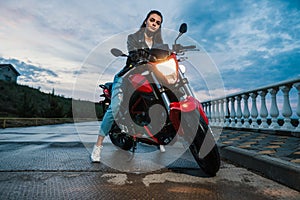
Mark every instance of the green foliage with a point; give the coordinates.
(54, 110)
(26, 108)
(23, 101)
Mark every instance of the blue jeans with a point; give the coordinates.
(116, 98)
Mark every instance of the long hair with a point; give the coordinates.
(157, 38)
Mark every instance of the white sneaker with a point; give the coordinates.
(162, 148)
(95, 156)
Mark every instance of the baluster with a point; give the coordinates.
(232, 112)
(297, 86)
(246, 111)
(274, 112)
(217, 114)
(222, 114)
(204, 107)
(209, 111)
(239, 111)
(286, 110)
(213, 112)
(227, 112)
(254, 112)
(263, 110)
(206, 110)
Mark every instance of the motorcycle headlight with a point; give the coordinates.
(169, 69)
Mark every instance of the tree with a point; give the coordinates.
(27, 107)
(55, 110)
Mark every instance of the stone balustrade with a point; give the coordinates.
(272, 108)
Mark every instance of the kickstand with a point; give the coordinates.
(133, 151)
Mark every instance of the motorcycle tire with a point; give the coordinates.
(121, 140)
(210, 163)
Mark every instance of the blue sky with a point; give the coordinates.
(252, 43)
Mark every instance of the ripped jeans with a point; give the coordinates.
(113, 108)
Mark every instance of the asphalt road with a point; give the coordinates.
(52, 162)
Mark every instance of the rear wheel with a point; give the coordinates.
(121, 140)
(203, 146)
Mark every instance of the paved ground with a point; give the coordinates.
(282, 147)
(275, 156)
(52, 162)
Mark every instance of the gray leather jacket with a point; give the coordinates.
(136, 41)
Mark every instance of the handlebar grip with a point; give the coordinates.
(189, 47)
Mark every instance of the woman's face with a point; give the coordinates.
(153, 23)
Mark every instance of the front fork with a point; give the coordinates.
(186, 85)
(162, 92)
(188, 105)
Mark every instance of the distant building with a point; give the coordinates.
(8, 73)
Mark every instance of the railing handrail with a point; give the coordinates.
(276, 85)
(258, 117)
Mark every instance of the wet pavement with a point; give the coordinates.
(52, 162)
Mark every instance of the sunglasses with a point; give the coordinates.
(153, 20)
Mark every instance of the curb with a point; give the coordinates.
(275, 169)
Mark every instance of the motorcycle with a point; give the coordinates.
(160, 106)
(106, 89)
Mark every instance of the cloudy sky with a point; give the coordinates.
(252, 43)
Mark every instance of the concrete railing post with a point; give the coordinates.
(254, 112)
(232, 112)
(246, 111)
(274, 112)
(238, 111)
(286, 110)
(222, 114)
(263, 109)
(227, 112)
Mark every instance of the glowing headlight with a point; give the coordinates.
(169, 70)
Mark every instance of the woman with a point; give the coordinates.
(147, 37)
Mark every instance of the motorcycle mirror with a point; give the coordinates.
(183, 28)
(117, 52)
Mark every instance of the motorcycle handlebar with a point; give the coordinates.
(180, 48)
(189, 47)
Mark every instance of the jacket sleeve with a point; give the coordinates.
(131, 47)
(132, 43)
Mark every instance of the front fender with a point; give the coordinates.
(189, 104)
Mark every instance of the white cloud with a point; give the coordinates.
(59, 35)
(255, 26)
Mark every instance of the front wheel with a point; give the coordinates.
(203, 146)
(210, 164)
